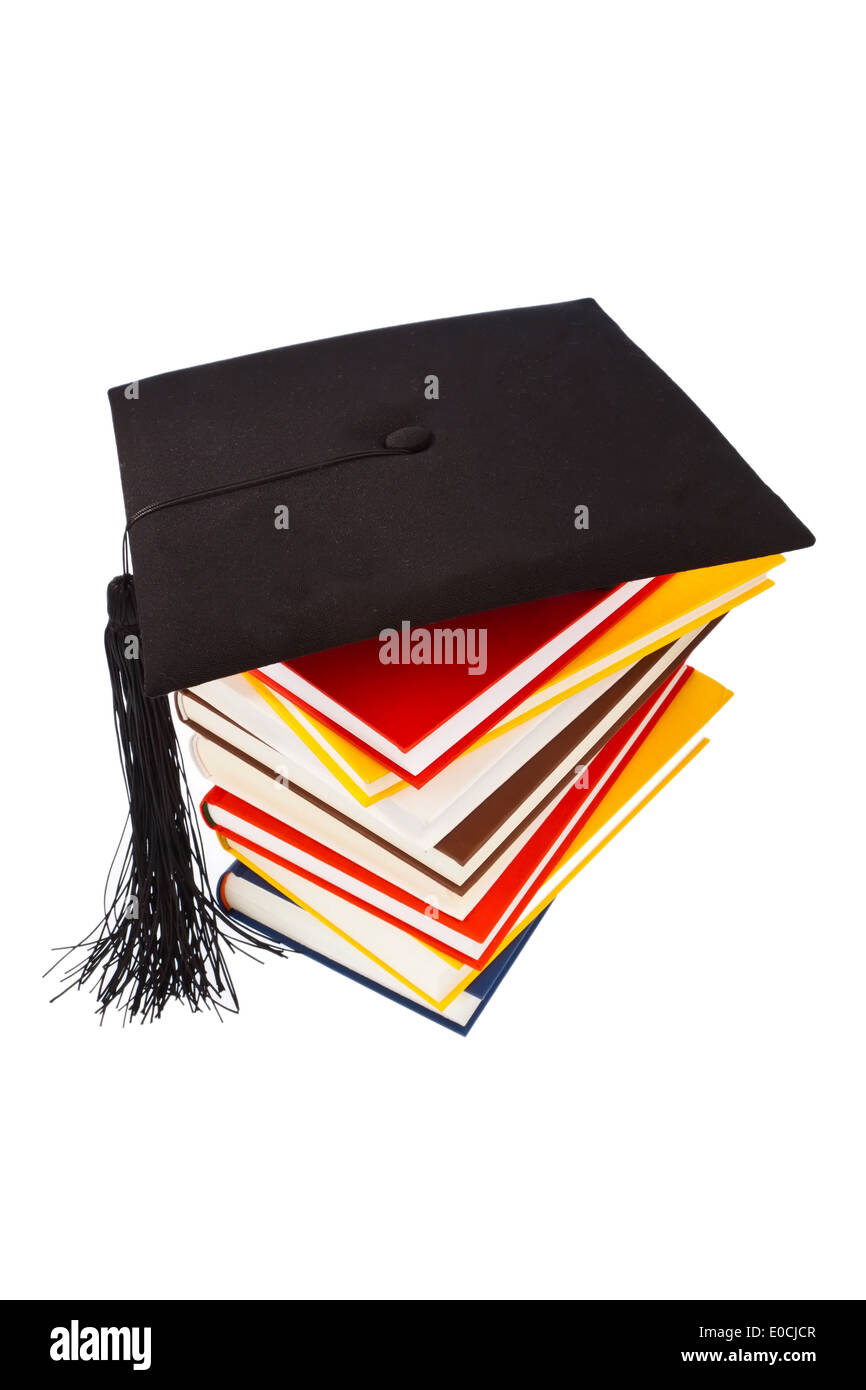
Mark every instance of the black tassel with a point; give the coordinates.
(162, 933)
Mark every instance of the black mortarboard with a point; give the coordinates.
(307, 497)
(431, 470)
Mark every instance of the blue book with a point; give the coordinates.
(255, 904)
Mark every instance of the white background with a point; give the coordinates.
(666, 1097)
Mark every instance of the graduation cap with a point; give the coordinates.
(300, 499)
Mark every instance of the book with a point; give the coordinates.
(257, 905)
(414, 697)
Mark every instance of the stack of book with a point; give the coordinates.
(404, 809)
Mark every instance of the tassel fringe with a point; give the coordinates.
(163, 935)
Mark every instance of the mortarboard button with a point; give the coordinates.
(411, 439)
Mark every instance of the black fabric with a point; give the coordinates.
(539, 411)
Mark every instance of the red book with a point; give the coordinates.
(416, 697)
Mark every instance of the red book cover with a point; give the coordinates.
(419, 696)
